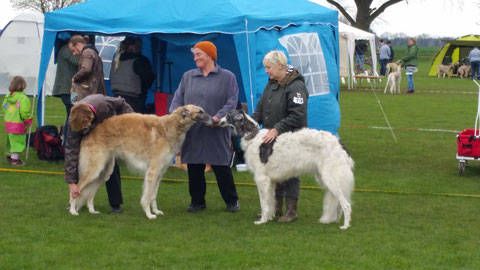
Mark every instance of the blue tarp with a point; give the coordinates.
(243, 31)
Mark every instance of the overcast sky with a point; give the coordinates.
(444, 18)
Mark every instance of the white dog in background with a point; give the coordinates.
(306, 151)
(393, 80)
(147, 143)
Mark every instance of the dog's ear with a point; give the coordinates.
(238, 117)
(184, 113)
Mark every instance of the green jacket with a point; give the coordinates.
(16, 107)
(283, 105)
(67, 66)
(410, 58)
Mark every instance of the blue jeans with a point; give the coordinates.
(383, 66)
(409, 70)
(410, 82)
(475, 69)
(360, 59)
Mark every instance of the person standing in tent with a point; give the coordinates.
(88, 81)
(89, 77)
(410, 62)
(131, 74)
(215, 90)
(67, 66)
(360, 49)
(16, 112)
(283, 108)
(474, 57)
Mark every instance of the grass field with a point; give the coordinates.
(411, 209)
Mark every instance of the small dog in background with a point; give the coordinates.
(443, 69)
(393, 80)
(464, 71)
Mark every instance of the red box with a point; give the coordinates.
(468, 144)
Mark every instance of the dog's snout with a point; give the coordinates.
(222, 122)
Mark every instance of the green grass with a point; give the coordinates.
(410, 210)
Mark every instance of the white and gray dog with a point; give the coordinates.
(306, 151)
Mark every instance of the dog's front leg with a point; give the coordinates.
(73, 206)
(148, 192)
(267, 202)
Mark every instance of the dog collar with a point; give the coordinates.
(93, 109)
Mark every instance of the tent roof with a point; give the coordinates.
(354, 33)
(186, 16)
(463, 43)
(29, 17)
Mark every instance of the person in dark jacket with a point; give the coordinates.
(131, 74)
(392, 53)
(67, 66)
(360, 49)
(216, 91)
(89, 77)
(283, 108)
(84, 117)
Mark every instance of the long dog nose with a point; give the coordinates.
(222, 122)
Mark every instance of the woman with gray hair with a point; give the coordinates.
(282, 108)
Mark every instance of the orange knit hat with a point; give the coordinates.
(208, 48)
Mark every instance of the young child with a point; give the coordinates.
(16, 106)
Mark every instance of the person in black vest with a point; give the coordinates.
(131, 74)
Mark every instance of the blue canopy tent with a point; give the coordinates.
(243, 31)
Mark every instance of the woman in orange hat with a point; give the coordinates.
(215, 90)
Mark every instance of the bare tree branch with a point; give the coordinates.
(365, 13)
(42, 5)
(342, 10)
(382, 8)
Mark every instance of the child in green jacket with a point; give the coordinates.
(16, 106)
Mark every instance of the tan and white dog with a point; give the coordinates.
(393, 66)
(147, 143)
(393, 80)
(443, 70)
(464, 71)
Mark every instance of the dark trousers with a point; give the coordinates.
(198, 186)
(383, 66)
(68, 106)
(289, 189)
(475, 69)
(114, 187)
(137, 103)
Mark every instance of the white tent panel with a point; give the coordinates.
(20, 49)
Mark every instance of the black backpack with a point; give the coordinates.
(48, 143)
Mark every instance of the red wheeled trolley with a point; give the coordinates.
(468, 142)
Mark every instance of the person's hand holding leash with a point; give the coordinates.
(74, 192)
(270, 136)
(215, 120)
